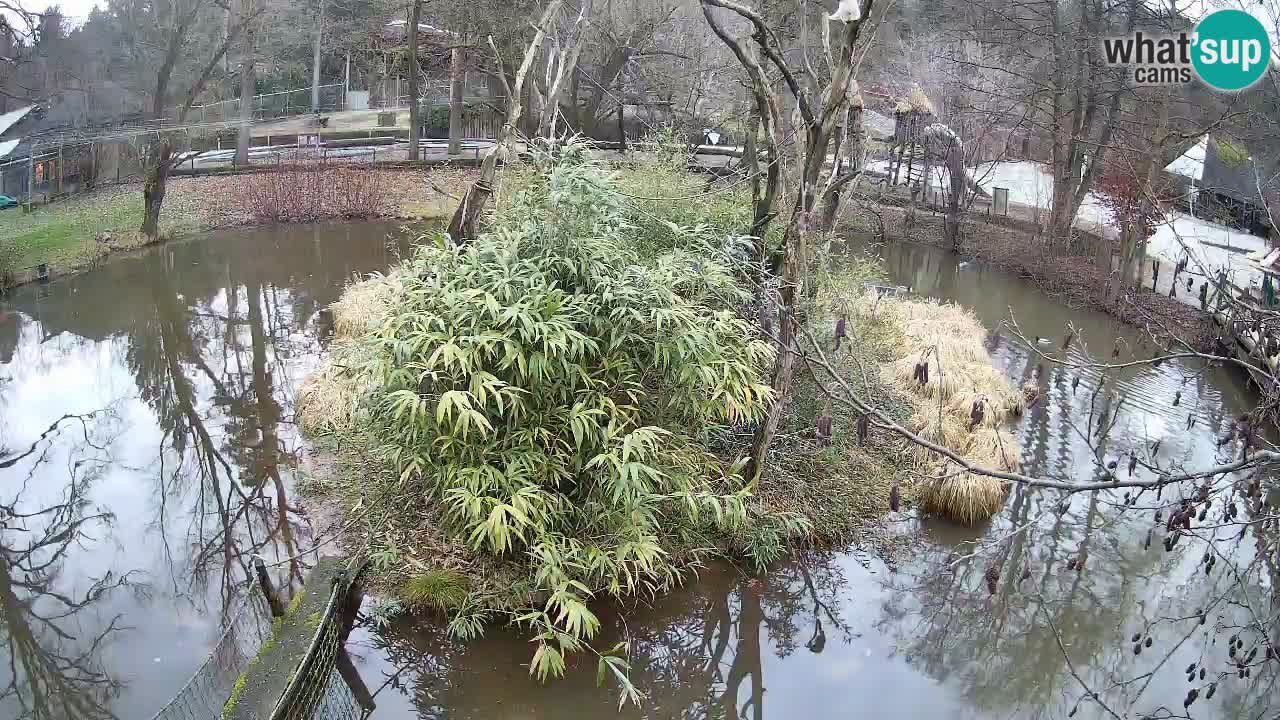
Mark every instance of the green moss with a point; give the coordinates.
(1231, 153)
(229, 706)
(313, 620)
(294, 603)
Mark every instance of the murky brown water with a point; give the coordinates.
(190, 358)
(143, 508)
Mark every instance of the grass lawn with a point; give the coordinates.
(64, 234)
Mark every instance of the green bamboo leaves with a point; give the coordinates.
(548, 390)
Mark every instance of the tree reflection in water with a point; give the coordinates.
(1052, 633)
(200, 345)
(699, 653)
(208, 368)
(49, 668)
(936, 632)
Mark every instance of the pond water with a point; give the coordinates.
(147, 451)
(146, 412)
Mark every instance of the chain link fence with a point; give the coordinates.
(270, 106)
(324, 686)
(202, 698)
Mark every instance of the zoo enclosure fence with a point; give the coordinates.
(203, 696)
(323, 686)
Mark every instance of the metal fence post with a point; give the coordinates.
(60, 171)
(31, 176)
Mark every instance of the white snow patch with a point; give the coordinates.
(937, 174)
(7, 146)
(1028, 182)
(1209, 246)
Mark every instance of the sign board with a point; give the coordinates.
(1000, 201)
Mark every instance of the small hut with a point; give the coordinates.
(911, 114)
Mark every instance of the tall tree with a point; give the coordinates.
(562, 64)
(415, 100)
(177, 21)
(466, 218)
(818, 108)
(457, 86)
(315, 58)
(248, 84)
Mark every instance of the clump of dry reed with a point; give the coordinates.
(329, 400)
(364, 305)
(960, 403)
(330, 397)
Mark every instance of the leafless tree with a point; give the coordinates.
(248, 85)
(177, 21)
(820, 104)
(462, 227)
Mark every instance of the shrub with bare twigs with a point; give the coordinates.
(313, 191)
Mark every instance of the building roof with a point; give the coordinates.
(12, 117)
(1190, 164)
(7, 146)
(1230, 171)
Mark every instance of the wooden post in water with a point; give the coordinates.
(264, 582)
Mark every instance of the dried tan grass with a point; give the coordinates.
(330, 397)
(363, 306)
(995, 448)
(950, 432)
(919, 101)
(950, 339)
(329, 400)
(963, 497)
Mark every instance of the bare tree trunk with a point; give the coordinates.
(315, 59)
(955, 193)
(849, 154)
(415, 15)
(160, 154)
(818, 124)
(612, 69)
(457, 86)
(154, 186)
(463, 224)
(794, 251)
(751, 164)
(566, 67)
(1133, 239)
(622, 128)
(769, 116)
(247, 85)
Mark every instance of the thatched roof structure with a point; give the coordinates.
(915, 102)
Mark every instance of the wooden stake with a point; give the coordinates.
(269, 590)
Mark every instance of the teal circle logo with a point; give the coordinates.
(1232, 50)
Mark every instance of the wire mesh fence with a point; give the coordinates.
(246, 629)
(318, 690)
(268, 106)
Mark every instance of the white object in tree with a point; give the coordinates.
(848, 11)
